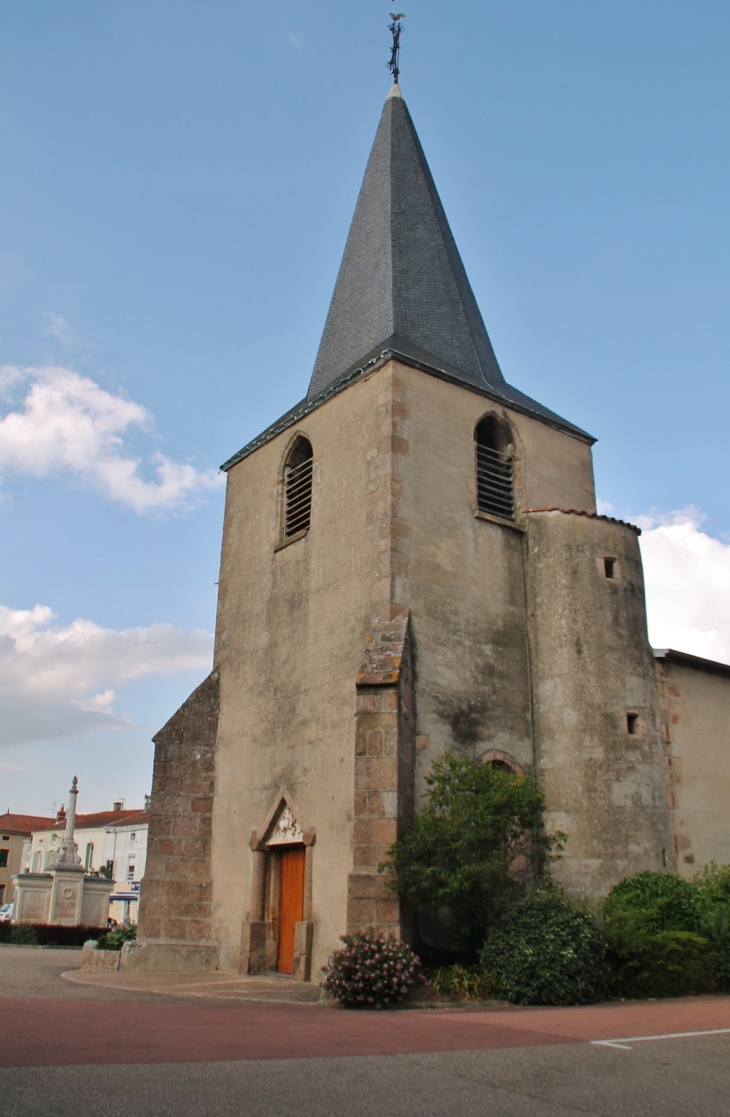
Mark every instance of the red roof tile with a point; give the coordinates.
(24, 823)
(97, 821)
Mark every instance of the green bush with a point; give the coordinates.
(713, 885)
(545, 951)
(23, 934)
(460, 983)
(45, 934)
(477, 840)
(648, 904)
(370, 971)
(669, 936)
(669, 964)
(115, 940)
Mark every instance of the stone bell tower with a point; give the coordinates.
(411, 562)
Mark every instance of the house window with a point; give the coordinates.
(298, 488)
(89, 856)
(632, 723)
(133, 837)
(130, 871)
(609, 567)
(2, 892)
(4, 858)
(494, 468)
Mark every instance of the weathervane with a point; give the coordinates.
(395, 29)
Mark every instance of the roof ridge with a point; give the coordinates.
(589, 515)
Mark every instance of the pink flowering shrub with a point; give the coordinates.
(371, 970)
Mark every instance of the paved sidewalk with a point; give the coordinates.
(204, 986)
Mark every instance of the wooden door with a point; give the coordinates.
(291, 904)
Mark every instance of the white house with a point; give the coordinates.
(110, 843)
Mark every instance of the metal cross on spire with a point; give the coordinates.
(395, 28)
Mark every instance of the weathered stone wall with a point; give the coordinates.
(591, 666)
(695, 700)
(460, 573)
(394, 529)
(175, 903)
(291, 627)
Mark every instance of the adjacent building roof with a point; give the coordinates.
(23, 823)
(402, 290)
(97, 821)
(712, 666)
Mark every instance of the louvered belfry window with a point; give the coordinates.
(298, 488)
(495, 469)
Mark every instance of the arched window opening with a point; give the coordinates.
(298, 488)
(500, 765)
(495, 469)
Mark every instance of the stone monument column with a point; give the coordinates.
(68, 858)
(68, 872)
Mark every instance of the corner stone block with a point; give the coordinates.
(303, 936)
(360, 912)
(364, 886)
(253, 946)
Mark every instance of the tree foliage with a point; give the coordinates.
(478, 836)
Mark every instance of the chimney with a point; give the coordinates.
(61, 814)
(117, 806)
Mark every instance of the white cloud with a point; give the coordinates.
(67, 423)
(295, 38)
(604, 508)
(58, 327)
(58, 681)
(687, 575)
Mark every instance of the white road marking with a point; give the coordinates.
(624, 1043)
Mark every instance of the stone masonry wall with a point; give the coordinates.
(175, 901)
(384, 773)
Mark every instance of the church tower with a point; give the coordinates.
(412, 563)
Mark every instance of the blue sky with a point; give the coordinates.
(175, 190)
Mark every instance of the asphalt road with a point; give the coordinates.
(122, 1053)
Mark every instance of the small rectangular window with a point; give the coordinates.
(631, 723)
(4, 858)
(609, 566)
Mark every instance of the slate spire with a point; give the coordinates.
(402, 285)
(402, 290)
